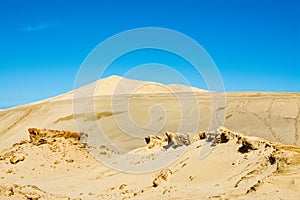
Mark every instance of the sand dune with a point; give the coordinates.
(116, 85)
(239, 167)
(273, 116)
(264, 164)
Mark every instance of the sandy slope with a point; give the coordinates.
(66, 169)
(273, 116)
(63, 168)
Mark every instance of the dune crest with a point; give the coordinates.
(117, 85)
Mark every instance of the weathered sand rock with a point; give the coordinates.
(43, 136)
(156, 141)
(15, 159)
(29, 192)
(173, 139)
(161, 177)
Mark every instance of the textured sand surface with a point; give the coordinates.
(238, 167)
(273, 116)
(64, 168)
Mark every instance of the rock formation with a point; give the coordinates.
(42, 136)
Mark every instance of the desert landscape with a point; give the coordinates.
(48, 148)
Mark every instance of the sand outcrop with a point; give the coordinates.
(28, 192)
(156, 141)
(43, 136)
(161, 177)
(174, 140)
(56, 165)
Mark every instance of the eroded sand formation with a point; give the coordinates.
(56, 165)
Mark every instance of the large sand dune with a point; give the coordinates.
(64, 168)
(273, 116)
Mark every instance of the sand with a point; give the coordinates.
(65, 168)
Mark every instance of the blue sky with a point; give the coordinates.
(255, 44)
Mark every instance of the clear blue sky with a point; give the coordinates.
(254, 43)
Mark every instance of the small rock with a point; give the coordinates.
(69, 160)
(33, 196)
(122, 186)
(161, 177)
(15, 160)
(24, 142)
(9, 171)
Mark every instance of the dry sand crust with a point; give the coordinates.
(54, 164)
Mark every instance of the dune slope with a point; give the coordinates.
(273, 116)
(239, 167)
(58, 162)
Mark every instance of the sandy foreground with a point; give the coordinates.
(261, 163)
